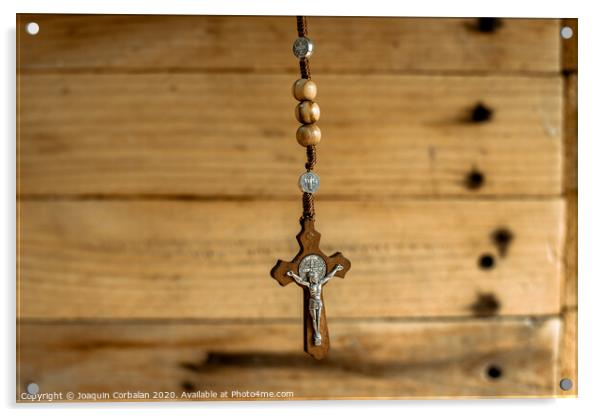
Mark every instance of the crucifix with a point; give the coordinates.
(311, 269)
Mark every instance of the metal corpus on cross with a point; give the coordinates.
(311, 269)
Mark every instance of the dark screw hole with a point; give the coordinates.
(502, 238)
(486, 261)
(481, 113)
(188, 386)
(486, 305)
(488, 24)
(474, 180)
(494, 372)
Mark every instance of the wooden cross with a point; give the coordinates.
(311, 269)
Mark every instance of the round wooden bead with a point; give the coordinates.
(307, 112)
(304, 89)
(308, 135)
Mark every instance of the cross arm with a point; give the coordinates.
(338, 259)
(279, 272)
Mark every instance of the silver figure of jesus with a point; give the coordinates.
(314, 280)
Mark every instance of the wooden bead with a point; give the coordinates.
(307, 112)
(308, 135)
(304, 89)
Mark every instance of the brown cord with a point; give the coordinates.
(303, 62)
(308, 206)
(308, 198)
(304, 67)
(301, 26)
(311, 157)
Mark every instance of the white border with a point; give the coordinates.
(590, 207)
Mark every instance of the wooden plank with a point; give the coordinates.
(367, 360)
(178, 259)
(568, 353)
(568, 358)
(343, 44)
(570, 290)
(570, 189)
(569, 50)
(233, 135)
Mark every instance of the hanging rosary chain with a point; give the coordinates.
(306, 74)
(301, 26)
(310, 265)
(307, 112)
(303, 61)
(311, 157)
(308, 198)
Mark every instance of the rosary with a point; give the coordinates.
(311, 269)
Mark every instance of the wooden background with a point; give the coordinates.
(157, 170)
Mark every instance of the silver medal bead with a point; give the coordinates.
(303, 47)
(309, 182)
